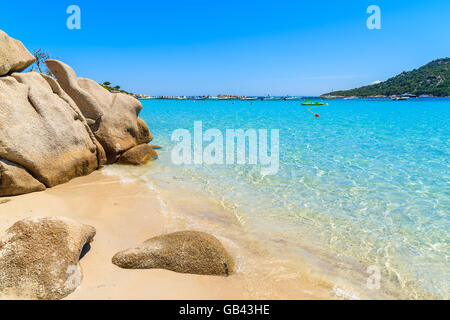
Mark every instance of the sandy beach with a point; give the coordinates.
(183, 151)
(125, 214)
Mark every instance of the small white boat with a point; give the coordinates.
(271, 98)
(399, 98)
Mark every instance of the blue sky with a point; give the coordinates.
(242, 47)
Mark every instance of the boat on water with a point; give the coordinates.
(270, 98)
(350, 98)
(310, 103)
(404, 96)
(399, 98)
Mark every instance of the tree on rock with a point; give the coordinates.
(41, 56)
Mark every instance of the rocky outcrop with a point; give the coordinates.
(138, 155)
(101, 155)
(42, 134)
(143, 134)
(14, 57)
(185, 252)
(113, 117)
(39, 258)
(52, 131)
(15, 180)
(68, 81)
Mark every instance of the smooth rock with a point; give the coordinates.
(41, 133)
(144, 135)
(39, 258)
(184, 252)
(101, 155)
(138, 155)
(15, 180)
(14, 57)
(68, 81)
(113, 117)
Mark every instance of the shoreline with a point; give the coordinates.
(278, 98)
(125, 214)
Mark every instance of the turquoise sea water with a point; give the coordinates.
(366, 184)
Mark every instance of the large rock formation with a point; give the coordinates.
(101, 155)
(14, 57)
(42, 134)
(113, 117)
(185, 252)
(39, 258)
(52, 131)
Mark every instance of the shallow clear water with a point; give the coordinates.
(367, 183)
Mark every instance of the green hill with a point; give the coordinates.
(430, 79)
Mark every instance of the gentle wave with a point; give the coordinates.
(366, 184)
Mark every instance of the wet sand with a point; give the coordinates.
(125, 214)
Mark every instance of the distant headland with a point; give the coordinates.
(432, 79)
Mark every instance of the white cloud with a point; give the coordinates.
(378, 81)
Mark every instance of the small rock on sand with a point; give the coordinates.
(184, 252)
(39, 258)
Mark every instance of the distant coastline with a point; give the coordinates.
(428, 81)
(432, 79)
(279, 98)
